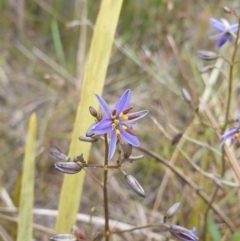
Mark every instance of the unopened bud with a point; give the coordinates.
(87, 139)
(186, 96)
(92, 111)
(98, 236)
(176, 139)
(68, 167)
(133, 158)
(207, 55)
(227, 9)
(64, 237)
(134, 185)
(56, 154)
(183, 233)
(128, 151)
(172, 210)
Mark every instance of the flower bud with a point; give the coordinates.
(56, 154)
(134, 185)
(134, 158)
(227, 9)
(186, 96)
(206, 55)
(64, 237)
(172, 210)
(68, 167)
(92, 111)
(183, 233)
(128, 151)
(176, 139)
(87, 139)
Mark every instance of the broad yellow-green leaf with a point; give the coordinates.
(93, 82)
(27, 188)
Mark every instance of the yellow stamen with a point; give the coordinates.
(125, 117)
(124, 128)
(117, 132)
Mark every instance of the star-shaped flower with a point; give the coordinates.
(226, 32)
(117, 122)
(234, 134)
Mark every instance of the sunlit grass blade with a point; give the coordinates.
(27, 188)
(93, 82)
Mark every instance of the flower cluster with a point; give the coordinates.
(118, 122)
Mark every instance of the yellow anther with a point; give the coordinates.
(124, 128)
(113, 126)
(113, 116)
(117, 132)
(125, 117)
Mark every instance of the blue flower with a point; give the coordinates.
(226, 32)
(183, 233)
(234, 134)
(116, 122)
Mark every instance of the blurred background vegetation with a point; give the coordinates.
(44, 46)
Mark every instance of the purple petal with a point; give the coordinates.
(229, 133)
(223, 40)
(128, 138)
(234, 28)
(103, 127)
(123, 102)
(217, 25)
(112, 144)
(104, 106)
(140, 113)
(216, 37)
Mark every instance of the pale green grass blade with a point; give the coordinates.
(57, 42)
(27, 188)
(93, 82)
(213, 229)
